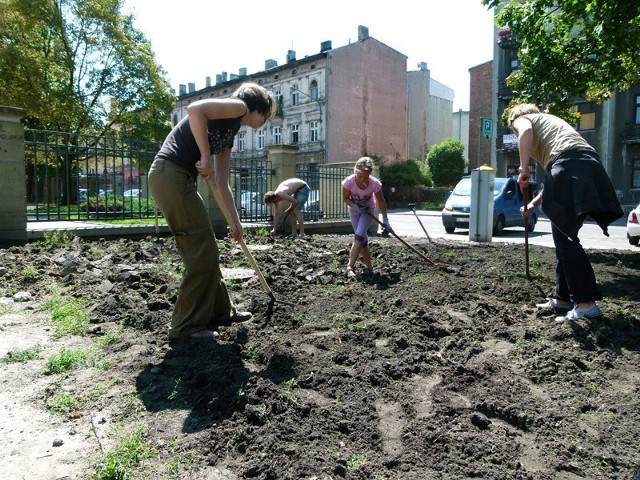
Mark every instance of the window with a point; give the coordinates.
(295, 133)
(260, 139)
(241, 141)
(635, 175)
(587, 121)
(313, 131)
(295, 95)
(277, 135)
(637, 110)
(277, 96)
(313, 90)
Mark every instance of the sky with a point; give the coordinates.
(193, 39)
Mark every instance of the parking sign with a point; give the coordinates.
(487, 128)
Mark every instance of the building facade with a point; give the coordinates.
(480, 107)
(334, 106)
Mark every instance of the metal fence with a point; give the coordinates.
(73, 176)
(85, 177)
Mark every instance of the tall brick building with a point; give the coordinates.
(480, 106)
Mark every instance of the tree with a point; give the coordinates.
(571, 49)
(80, 66)
(446, 161)
(412, 173)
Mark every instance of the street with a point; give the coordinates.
(405, 223)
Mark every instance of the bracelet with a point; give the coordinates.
(523, 169)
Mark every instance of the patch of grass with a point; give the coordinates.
(175, 396)
(29, 275)
(356, 461)
(120, 463)
(64, 404)
(67, 360)
(57, 238)
(302, 319)
(22, 356)
(251, 352)
(68, 315)
(106, 340)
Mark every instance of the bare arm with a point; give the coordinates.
(346, 198)
(200, 113)
(382, 203)
(524, 130)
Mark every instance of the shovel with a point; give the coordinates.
(413, 249)
(525, 200)
(245, 250)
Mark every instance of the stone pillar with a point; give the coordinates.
(13, 186)
(283, 164)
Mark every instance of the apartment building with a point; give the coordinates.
(336, 105)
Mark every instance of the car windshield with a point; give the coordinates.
(463, 188)
(498, 183)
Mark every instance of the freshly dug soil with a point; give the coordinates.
(412, 372)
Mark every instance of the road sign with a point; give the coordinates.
(487, 128)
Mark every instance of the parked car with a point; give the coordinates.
(133, 193)
(507, 200)
(82, 194)
(311, 209)
(251, 204)
(633, 226)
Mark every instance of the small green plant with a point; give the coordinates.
(57, 238)
(263, 413)
(63, 404)
(174, 396)
(29, 275)
(251, 352)
(22, 356)
(302, 319)
(120, 463)
(68, 315)
(66, 360)
(356, 461)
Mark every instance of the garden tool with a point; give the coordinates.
(389, 231)
(158, 240)
(245, 250)
(413, 209)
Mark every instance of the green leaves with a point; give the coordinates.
(81, 66)
(572, 49)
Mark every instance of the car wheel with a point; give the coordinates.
(499, 227)
(633, 240)
(449, 229)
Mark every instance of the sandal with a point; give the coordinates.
(350, 273)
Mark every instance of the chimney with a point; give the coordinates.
(232, 76)
(224, 76)
(182, 89)
(291, 56)
(363, 33)
(173, 91)
(243, 72)
(218, 78)
(270, 64)
(325, 46)
(192, 87)
(207, 81)
(422, 66)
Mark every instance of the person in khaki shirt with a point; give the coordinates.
(576, 186)
(296, 192)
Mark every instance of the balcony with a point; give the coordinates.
(631, 134)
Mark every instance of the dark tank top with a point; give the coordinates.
(180, 146)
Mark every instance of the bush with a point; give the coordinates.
(412, 173)
(446, 162)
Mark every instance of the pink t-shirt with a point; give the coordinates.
(362, 196)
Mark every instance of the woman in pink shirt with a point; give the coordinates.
(361, 191)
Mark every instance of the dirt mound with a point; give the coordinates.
(412, 372)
